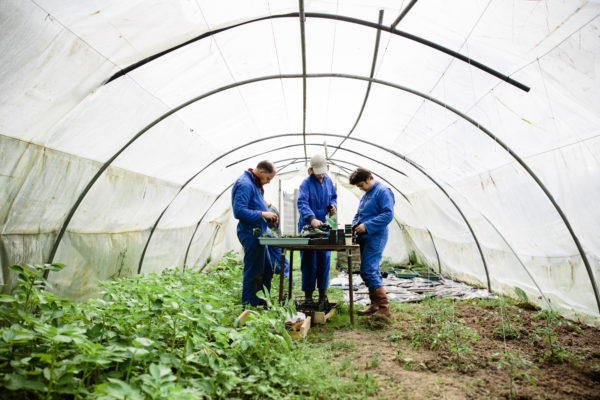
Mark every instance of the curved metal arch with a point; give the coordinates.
(402, 157)
(356, 77)
(210, 93)
(318, 144)
(357, 21)
(295, 160)
(371, 75)
(428, 231)
(187, 250)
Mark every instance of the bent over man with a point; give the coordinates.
(375, 212)
(250, 209)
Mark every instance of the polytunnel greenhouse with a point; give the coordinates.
(124, 126)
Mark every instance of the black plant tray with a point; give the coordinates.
(318, 241)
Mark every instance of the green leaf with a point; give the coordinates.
(521, 294)
(118, 389)
(16, 382)
(142, 341)
(5, 298)
(56, 267)
(16, 268)
(159, 370)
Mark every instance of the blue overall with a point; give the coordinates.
(375, 211)
(313, 200)
(275, 254)
(248, 202)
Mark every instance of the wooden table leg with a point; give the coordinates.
(351, 288)
(281, 272)
(290, 275)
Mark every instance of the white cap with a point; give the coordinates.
(318, 164)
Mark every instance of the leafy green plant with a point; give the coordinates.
(157, 337)
(524, 301)
(551, 320)
(373, 362)
(511, 324)
(517, 368)
(437, 327)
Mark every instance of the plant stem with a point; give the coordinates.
(129, 368)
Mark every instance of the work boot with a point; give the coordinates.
(308, 297)
(372, 308)
(323, 296)
(382, 302)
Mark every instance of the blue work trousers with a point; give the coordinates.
(275, 254)
(371, 253)
(315, 268)
(258, 270)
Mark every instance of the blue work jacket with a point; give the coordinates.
(376, 210)
(248, 202)
(314, 198)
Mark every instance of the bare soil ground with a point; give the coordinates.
(404, 368)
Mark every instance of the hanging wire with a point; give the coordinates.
(238, 89)
(335, 23)
(439, 80)
(287, 113)
(547, 96)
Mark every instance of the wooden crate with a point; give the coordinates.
(301, 334)
(319, 317)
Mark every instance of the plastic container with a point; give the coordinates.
(341, 237)
(332, 236)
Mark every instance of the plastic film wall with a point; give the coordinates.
(124, 124)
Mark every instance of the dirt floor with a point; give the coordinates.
(406, 368)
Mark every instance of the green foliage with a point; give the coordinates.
(413, 257)
(157, 337)
(521, 295)
(523, 300)
(437, 327)
(517, 368)
(511, 323)
(373, 362)
(557, 352)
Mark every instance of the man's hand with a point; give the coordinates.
(315, 223)
(361, 229)
(270, 216)
(332, 209)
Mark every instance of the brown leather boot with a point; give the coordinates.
(372, 308)
(382, 302)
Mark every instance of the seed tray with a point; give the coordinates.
(282, 241)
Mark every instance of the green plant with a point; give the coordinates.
(373, 362)
(551, 320)
(437, 327)
(119, 271)
(511, 324)
(157, 337)
(517, 368)
(523, 300)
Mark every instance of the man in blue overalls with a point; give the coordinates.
(375, 212)
(250, 209)
(317, 193)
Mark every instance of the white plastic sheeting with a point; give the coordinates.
(144, 161)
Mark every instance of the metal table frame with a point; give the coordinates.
(319, 247)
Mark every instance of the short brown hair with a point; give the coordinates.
(266, 166)
(359, 175)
